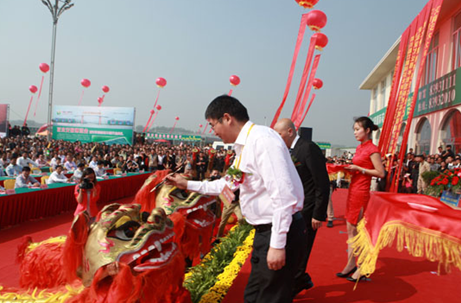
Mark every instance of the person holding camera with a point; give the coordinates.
(87, 193)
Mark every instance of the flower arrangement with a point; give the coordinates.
(210, 280)
(448, 180)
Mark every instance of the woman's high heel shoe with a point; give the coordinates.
(341, 275)
(362, 278)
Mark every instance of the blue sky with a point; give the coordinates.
(196, 46)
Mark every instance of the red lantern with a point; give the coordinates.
(159, 107)
(44, 67)
(152, 111)
(85, 82)
(33, 89)
(307, 3)
(177, 118)
(161, 82)
(317, 83)
(316, 20)
(105, 88)
(234, 80)
(322, 41)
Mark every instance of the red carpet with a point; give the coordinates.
(398, 277)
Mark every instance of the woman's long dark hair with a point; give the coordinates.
(89, 171)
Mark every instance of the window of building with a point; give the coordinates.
(457, 42)
(451, 131)
(374, 100)
(383, 92)
(430, 70)
(423, 137)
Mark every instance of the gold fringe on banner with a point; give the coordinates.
(419, 241)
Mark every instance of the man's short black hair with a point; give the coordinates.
(226, 104)
(448, 146)
(100, 163)
(26, 168)
(81, 164)
(58, 166)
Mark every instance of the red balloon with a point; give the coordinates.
(159, 107)
(85, 82)
(177, 118)
(105, 88)
(161, 82)
(200, 125)
(33, 89)
(322, 41)
(317, 83)
(316, 20)
(307, 3)
(234, 80)
(152, 111)
(44, 67)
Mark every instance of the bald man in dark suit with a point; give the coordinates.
(310, 164)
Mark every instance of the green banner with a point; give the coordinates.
(111, 125)
(378, 117)
(439, 94)
(178, 137)
(323, 145)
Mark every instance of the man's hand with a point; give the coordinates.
(316, 224)
(275, 258)
(176, 180)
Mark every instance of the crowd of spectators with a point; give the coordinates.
(19, 151)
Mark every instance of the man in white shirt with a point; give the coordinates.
(79, 171)
(271, 196)
(24, 180)
(70, 164)
(57, 176)
(94, 163)
(13, 169)
(25, 161)
(41, 161)
(99, 170)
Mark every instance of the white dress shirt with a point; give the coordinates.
(77, 174)
(272, 190)
(93, 164)
(70, 165)
(57, 178)
(23, 162)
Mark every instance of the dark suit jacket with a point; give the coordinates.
(310, 164)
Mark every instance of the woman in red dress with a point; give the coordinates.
(366, 164)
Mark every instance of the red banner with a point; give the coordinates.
(410, 48)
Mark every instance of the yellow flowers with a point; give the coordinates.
(227, 277)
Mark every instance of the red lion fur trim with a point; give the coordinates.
(144, 196)
(195, 241)
(179, 224)
(22, 248)
(42, 267)
(163, 285)
(72, 255)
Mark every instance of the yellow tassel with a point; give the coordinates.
(419, 241)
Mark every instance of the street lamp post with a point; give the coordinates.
(56, 12)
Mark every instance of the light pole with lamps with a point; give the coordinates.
(56, 12)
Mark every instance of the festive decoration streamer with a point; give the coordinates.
(299, 114)
(81, 98)
(39, 93)
(28, 108)
(298, 124)
(302, 29)
(152, 122)
(302, 84)
(204, 130)
(156, 100)
(174, 125)
(148, 121)
(230, 92)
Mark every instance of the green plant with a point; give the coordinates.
(448, 180)
(429, 176)
(204, 275)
